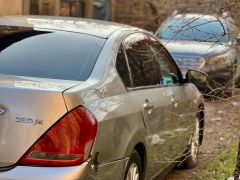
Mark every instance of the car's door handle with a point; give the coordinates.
(147, 105)
(174, 102)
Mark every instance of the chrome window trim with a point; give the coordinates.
(129, 69)
(144, 87)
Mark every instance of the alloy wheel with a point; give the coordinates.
(133, 172)
(195, 142)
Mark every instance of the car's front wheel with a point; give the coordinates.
(134, 167)
(192, 155)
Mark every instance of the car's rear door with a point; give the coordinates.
(154, 100)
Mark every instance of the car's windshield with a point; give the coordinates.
(47, 54)
(194, 29)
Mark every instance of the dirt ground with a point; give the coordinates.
(222, 127)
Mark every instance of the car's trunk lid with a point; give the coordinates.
(28, 108)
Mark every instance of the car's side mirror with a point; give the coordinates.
(198, 78)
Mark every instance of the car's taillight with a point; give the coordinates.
(69, 142)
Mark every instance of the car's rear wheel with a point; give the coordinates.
(134, 167)
(191, 158)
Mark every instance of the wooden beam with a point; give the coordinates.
(26, 7)
(57, 8)
(112, 4)
(88, 8)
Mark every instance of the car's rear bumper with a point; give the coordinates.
(113, 170)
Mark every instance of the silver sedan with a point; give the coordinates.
(85, 99)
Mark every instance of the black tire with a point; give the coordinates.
(191, 158)
(134, 160)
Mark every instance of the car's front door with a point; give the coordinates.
(183, 116)
(154, 100)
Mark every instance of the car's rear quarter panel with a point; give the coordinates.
(120, 126)
(120, 123)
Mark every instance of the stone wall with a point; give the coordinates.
(133, 12)
(149, 14)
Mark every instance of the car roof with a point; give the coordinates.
(193, 15)
(205, 17)
(102, 29)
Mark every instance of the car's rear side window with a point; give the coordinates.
(54, 55)
(122, 68)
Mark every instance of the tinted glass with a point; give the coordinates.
(55, 55)
(194, 29)
(169, 72)
(144, 69)
(122, 68)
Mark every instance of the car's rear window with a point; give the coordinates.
(54, 55)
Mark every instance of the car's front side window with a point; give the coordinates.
(169, 71)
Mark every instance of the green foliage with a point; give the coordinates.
(220, 166)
